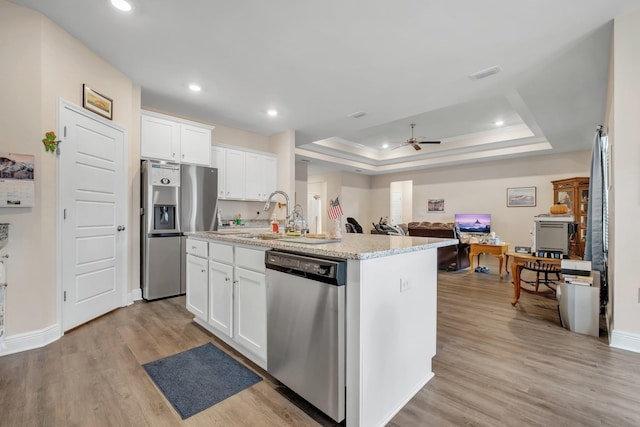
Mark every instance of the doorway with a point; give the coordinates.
(401, 202)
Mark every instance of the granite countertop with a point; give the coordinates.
(351, 246)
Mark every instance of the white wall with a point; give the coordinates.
(41, 63)
(482, 188)
(351, 189)
(624, 132)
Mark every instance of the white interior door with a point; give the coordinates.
(93, 199)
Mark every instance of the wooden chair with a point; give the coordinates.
(540, 267)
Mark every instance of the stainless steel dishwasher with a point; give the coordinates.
(306, 327)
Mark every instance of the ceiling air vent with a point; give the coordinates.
(357, 114)
(485, 73)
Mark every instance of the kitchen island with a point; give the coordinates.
(391, 297)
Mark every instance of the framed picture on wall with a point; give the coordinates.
(96, 102)
(435, 205)
(521, 197)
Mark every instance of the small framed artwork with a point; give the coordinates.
(521, 197)
(435, 205)
(96, 102)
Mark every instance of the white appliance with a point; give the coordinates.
(552, 233)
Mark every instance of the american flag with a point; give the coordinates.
(335, 210)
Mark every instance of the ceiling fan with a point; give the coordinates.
(415, 142)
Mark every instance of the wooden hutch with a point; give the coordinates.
(574, 192)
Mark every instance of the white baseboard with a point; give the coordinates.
(30, 340)
(135, 295)
(625, 341)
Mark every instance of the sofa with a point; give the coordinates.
(450, 258)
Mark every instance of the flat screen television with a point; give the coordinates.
(474, 223)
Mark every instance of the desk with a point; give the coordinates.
(497, 251)
(518, 263)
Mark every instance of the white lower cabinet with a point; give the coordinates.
(197, 285)
(232, 303)
(221, 297)
(250, 310)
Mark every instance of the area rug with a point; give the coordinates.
(196, 379)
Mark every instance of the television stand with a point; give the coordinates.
(497, 251)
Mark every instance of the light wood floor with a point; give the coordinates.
(496, 365)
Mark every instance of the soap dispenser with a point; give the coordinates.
(274, 224)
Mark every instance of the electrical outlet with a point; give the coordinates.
(404, 285)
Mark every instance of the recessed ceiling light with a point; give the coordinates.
(194, 87)
(122, 5)
(272, 113)
(499, 122)
(385, 145)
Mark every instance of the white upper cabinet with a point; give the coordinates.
(234, 174)
(218, 162)
(173, 139)
(244, 175)
(195, 145)
(270, 175)
(160, 139)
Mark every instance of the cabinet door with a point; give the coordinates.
(254, 178)
(218, 162)
(234, 174)
(221, 297)
(195, 145)
(197, 286)
(270, 175)
(250, 311)
(159, 139)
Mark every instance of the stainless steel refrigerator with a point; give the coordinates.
(160, 228)
(175, 199)
(198, 206)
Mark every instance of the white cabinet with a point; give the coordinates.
(197, 277)
(221, 297)
(234, 174)
(270, 175)
(160, 139)
(173, 139)
(232, 304)
(261, 178)
(197, 285)
(218, 162)
(195, 145)
(250, 310)
(244, 175)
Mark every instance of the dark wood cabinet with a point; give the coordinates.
(574, 192)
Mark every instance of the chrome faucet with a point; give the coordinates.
(286, 197)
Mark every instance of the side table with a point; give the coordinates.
(497, 251)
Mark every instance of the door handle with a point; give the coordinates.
(120, 228)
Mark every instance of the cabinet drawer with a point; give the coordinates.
(252, 259)
(197, 247)
(221, 252)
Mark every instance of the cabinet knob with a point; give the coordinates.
(235, 281)
(226, 279)
(203, 270)
(120, 228)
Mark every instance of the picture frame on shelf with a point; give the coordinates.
(96, 102)
(521, 197)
